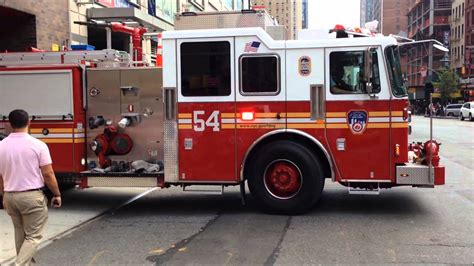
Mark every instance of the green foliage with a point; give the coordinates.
(447, 83)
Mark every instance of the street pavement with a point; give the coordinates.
(401, 225)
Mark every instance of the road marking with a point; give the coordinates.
(83, 224)
(95, 257)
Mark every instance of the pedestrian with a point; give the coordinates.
(25, 167)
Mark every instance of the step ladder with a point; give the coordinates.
(364, 191)
(204, 189)
(64, 57)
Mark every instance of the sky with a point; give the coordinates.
(324, 14)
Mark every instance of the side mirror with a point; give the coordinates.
(368, 71)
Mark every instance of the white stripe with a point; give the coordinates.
(59, 135)
(398, 119)
(51, 136)
(300, 120)
(185, 121)
(335, 120)
(379, 119)
(228, 121)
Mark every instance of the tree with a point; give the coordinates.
(447, 83)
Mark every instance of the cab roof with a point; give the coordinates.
(279, 44)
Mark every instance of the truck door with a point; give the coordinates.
(206, 99)
(357, 124)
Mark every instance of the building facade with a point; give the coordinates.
(47, 24)
(287, 12)
(304, 9)
(391, 15)
(427, 19)
(457, 46)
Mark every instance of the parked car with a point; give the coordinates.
(467, 111)
(2, 136)
(453, 109)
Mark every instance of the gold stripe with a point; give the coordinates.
(305, 125)
(397, 113)
(76, 130)
(79, 140)
(400, 125)
(336, 114)
(185, 115)
(379, 113)
(228, 115)
(266, 115)
(51, 130)
(228, 126)
(296, 115)
(185, 126)
(56, 140)
(337, 126)
(378, 125)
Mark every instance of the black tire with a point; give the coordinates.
(470, 117)
(450, 114)
(461, 117)
(295, 156)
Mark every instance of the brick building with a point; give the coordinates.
(457, 46)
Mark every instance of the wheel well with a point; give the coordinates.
(318, 152)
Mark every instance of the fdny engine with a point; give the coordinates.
(234, 102)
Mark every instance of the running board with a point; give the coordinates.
(363, 191)
(204, 190)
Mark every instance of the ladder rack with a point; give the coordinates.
(64, 57)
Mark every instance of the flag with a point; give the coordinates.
(251, 47)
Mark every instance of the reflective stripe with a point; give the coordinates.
(336, 120)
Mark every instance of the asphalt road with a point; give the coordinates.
(401, 225)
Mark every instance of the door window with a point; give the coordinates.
(205, 69)
(347, 70)
(260, 75)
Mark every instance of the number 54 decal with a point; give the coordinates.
(199, 124)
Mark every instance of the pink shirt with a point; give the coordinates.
(21, 156)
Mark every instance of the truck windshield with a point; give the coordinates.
(395, 71)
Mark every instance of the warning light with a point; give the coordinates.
(247, 116)
(339, 27)
(397, 150)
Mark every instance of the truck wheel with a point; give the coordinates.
(285, 178)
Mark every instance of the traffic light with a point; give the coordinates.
(429, 88)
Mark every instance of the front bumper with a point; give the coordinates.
(420, 175)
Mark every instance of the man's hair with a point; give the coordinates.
(18, 118)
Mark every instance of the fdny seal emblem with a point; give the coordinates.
(357, 121)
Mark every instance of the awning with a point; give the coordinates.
(452, 95)
(129, 14)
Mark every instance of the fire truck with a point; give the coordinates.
(234, 103)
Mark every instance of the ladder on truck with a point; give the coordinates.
(107, 57)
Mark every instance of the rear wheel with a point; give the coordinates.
(285, 178)
(470, 117)
(450, 114)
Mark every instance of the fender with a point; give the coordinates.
(283, 131)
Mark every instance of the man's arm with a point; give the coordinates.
(1, 185)
(52, 184)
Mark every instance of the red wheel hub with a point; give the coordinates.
(283, 179)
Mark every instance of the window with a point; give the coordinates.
(205, 68)
(260, 75)
(347, 70)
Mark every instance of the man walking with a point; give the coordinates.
(25, 167)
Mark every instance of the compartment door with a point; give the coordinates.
(206, 101)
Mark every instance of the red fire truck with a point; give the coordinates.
(234, 102)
